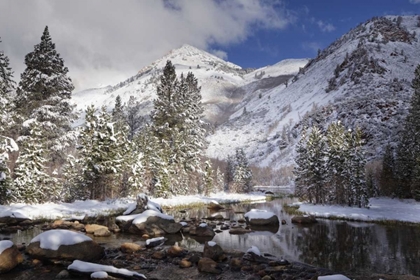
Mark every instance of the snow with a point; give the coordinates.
(99, 275)
(255, 250)
(406, 210)
(94, 207)
(211, 243)
(333, 277)
(184, 224)
(93, 267)
(156, 239)
(259, 214)
(5, 244)
(13, 214)
(53, 239)
(131, 208)
(202, 225)
(142, 217)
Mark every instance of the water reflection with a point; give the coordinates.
(349, 247)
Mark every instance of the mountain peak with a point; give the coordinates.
(192, 56)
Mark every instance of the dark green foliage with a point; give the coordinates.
(45, 77)
(408, 150)
(388, 183)
(330, 167)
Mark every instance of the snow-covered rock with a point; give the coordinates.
(149, 222)
(258, 217)
(64, 244)
(213, 251)
(89, 268)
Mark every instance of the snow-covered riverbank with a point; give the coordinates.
(94, 207)
(380, 209)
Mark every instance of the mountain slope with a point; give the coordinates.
(223, 83)
(362, 79)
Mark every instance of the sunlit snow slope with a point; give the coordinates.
(362, 79)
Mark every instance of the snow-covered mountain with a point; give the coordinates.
(223, 83)
(363, 79)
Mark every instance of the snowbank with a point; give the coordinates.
(405, 210)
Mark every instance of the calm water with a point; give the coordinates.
(347, 247)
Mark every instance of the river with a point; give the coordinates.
(347, 247)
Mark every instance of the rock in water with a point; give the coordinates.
(10, 256)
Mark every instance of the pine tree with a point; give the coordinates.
(408, 150)
(316, 166)
(45, 76)
(31, 182)
(230, 171)
(208, 178)
(301, 170)
(103, 154)
(176, 123)
(44, 94)
(337, 154)
(219, 180)
(242, 177)
(7, 84)
(133, 118)
(357, 174)
(388, 186)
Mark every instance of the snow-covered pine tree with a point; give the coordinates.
(357, 174)
(408, 150)
(44, 94)
(31, 182)
(242, 177)
(316, 166)
(7, 146)
(230, 171)
(133, 118)
(208, 178)
(336, 155)
(301, 169)
(7, 84)
(219, 180)
(176, 123)
(103, 154)
(387, 179)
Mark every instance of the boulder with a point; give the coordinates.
(12, 217)
(130, 247)
(175, 251)
(209, 266)
(143, 204)
(202, 230)
(150, 243)
(304, 220)
(149, 222)
(184, 263)
(213, 251)
(64, 245)
(259, 217)
(10, 256)
(214, 205)
(239, 230)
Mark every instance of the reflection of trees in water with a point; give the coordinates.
(403, 247)
(336, 245)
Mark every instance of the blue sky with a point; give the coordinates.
(106, 41)
(314, 25)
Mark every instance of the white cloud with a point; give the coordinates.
(105, 41)
(220, 54)
(325, 27)
(415, 1)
